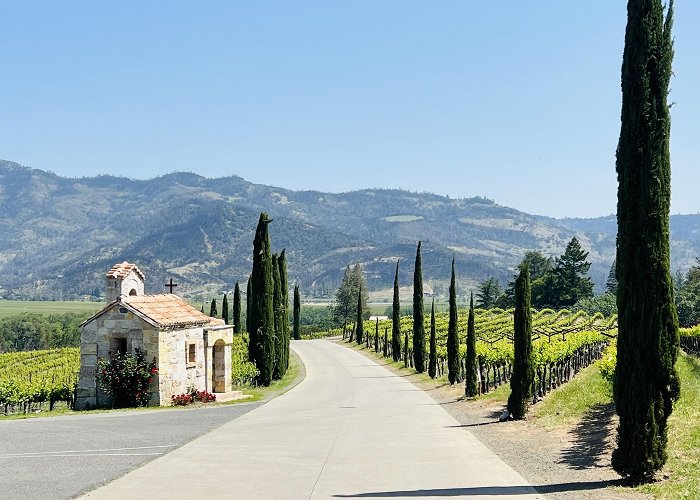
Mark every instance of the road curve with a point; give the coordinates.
(351, 429)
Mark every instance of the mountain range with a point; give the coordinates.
(60, 235)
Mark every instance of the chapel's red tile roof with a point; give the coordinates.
(121, 271)
(167, 310)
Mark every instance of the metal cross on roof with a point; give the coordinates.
(171, 285)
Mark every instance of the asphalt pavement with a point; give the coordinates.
(64, 456)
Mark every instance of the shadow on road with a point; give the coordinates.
(488, 490)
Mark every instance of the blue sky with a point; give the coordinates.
(516, 101)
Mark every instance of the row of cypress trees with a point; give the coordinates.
(268, 299)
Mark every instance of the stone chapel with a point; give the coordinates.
(191, 349)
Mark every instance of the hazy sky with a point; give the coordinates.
(516, 101)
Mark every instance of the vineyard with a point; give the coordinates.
(30, 379)
(563, 343)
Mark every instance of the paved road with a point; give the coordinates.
(351, 429)
(61, 457)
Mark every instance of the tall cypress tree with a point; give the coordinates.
(646, 383)
(360, 329)
(278, 371)
(452, 336)
(224, 309)
(248, 302)
(212, 309)
(297, 313)
(284, 305)
(405, 350)
(523, 370)
(418, 327)
(396, 319)
(262, 321)
(376, 336)
(432, 363)
(237, 309)
(471, 388)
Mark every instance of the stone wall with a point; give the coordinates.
(101, 336)
(176, 374)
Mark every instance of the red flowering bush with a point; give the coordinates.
(181, 400)
(192, 396)
(126, 378)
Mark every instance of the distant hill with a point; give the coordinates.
(59, 235)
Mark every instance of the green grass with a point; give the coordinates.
(12, 307)
(683, 465)
(568, 404)
(295, 374)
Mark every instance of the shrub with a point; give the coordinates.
(192, 396)
(126, 378)
(607, 364)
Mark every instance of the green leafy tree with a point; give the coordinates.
(488, 293)
(212, 309)
(345, 309)
(297, 313)
(523, 370)
(432, 362)
(224, 309)
(395, 319)
(452, 335)
(262, 315)
(543, 282)
(606, 304)
(646, 383)
(471, 388)
(418, 327)
(688, 298)
(570, 275)
(237, 309)
(360, 329)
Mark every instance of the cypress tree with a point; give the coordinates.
(297, 314)
(646, 383)
(385, 351)
(237, 309)
(202, 310)
(248, 302)
(432, 364)
(224, 309)
(418, 327)
(212, 309)
(376, 336)
(396, 319)
(278, 371)
(262, 317)
(360, 329)
(471, 388)
(452, 337)
(284, 305)
(405, 350)
(523, 370)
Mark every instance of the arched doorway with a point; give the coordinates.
(218, 365)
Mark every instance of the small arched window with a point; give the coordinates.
(133, 292)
